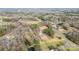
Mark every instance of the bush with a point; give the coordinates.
(2, 30)
(64, 18)
(49, 31)
(37, 46)
(41, 17)
(11, 26)
(34, 26)
(64, 27)
(6, 19)
(50, 47)
(72, 49)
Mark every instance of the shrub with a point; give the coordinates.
(49, 31)
(11, 26)
(2, 30)
(64, 27)
(6, 19)
(41, 17)
(34, 26)
(50, 47)
(37, 46)
(72, 49)
(64, 18)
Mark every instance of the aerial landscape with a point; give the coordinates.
(39, 29)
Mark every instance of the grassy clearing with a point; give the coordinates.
(72, 49)
(45, 45)
(7, 20)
